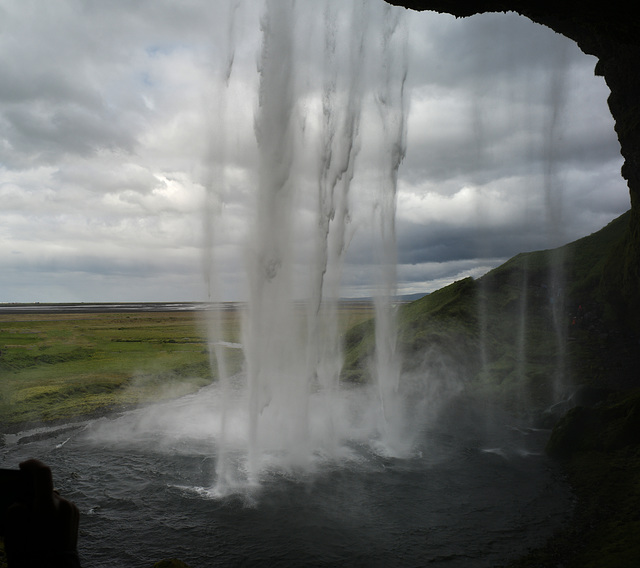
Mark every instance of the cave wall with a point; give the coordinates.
(611, 32)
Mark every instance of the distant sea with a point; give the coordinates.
(122, 307)
(87, 308)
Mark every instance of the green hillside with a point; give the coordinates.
(525, 332)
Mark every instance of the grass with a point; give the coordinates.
(59, 366)
(499, 334)
(54, 367)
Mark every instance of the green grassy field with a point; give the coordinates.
(59, 366)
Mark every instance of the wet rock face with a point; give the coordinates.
(611, 32)
(609, 426)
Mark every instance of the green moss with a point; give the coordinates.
(445, 318)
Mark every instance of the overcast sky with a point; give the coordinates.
(110, 113)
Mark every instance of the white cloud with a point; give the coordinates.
(113, 122)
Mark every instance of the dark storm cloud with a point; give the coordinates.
(481, 51)
(170, 262)
(38, 138)
(493, 154)
(24, 81)
(501, 94)
(445, 242)
(73, 74)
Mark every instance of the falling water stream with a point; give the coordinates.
(292, 360)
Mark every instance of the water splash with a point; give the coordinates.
(276, 382)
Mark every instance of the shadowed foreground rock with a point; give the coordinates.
(600, 448)
(171, 563)
(607, 427)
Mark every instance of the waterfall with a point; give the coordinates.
(307, 124)
(339, 146)
(215, 184)
(392, 108)
(554, 217)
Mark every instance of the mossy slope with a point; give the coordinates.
(541, 319)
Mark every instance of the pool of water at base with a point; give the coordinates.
(468, 496)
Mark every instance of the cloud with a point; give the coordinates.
(116, 122)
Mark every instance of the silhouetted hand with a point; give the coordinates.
(42, 532)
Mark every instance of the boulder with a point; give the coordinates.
(604, 428)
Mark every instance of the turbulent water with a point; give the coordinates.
(473, 492)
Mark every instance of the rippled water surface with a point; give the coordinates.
(471, 494)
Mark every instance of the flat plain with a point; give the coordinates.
(58, 366)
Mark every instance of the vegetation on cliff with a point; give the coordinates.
(541, 322)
